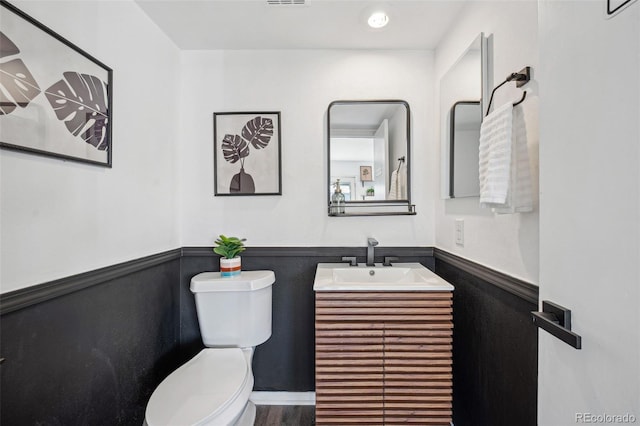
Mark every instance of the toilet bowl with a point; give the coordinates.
(213, 388)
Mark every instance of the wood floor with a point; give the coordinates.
(285, 415)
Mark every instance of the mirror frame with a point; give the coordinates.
(378, 207)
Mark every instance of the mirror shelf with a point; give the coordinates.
(382, 209)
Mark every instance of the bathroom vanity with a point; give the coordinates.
(383, 345)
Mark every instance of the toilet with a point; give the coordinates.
(213, 388)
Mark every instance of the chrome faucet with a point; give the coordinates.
(371, 243)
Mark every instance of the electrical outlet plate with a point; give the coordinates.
(459, 232)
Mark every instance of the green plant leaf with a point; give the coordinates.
(229, 247)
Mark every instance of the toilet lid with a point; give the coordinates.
(199, 389)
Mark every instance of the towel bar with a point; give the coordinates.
(521, 78)
(556, 320)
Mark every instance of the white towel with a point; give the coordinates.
(505, 175)
(520, 195)
(402, 182)
(398, 186)
(393, 186)
(495, 155)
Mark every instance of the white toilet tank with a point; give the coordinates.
(234, 311)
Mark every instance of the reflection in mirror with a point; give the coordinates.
(464, 85)
(465, 135)
(369, 157)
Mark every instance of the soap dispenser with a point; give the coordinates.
(337, 200)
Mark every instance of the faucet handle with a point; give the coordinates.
(388, 260)
(351, 259)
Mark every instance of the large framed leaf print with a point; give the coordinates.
(246, 154)
(55, 99)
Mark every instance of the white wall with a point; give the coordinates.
(300, 84)
(80, 217)
(590, 208)
(507, 243)
(61, 218)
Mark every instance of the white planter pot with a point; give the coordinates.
(230, 267)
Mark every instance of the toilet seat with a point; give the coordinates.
(212, 388)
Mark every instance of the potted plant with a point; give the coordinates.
(370, 192)
(229, 249)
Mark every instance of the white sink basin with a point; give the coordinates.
(399, 277)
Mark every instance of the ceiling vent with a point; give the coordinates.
(285, 2)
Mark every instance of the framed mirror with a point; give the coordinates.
(369, 158)
(463, 89)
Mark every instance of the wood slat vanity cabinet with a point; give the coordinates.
(384, 358)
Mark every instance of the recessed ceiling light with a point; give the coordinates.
(378, 20)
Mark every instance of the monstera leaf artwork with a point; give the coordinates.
(80, 100)
(55, 98)
(17, 85)
(234, 148)
(257, 132)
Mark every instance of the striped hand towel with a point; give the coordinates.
(495, 156)
(505, 173)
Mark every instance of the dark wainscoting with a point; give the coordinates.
(285, 362)
(495, 345)
(90, 349)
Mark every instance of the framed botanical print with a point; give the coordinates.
(247, 153)
(55, 99)
(366, 173)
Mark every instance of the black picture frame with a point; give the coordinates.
(251, 139)
(615, 6)
(56, 100)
